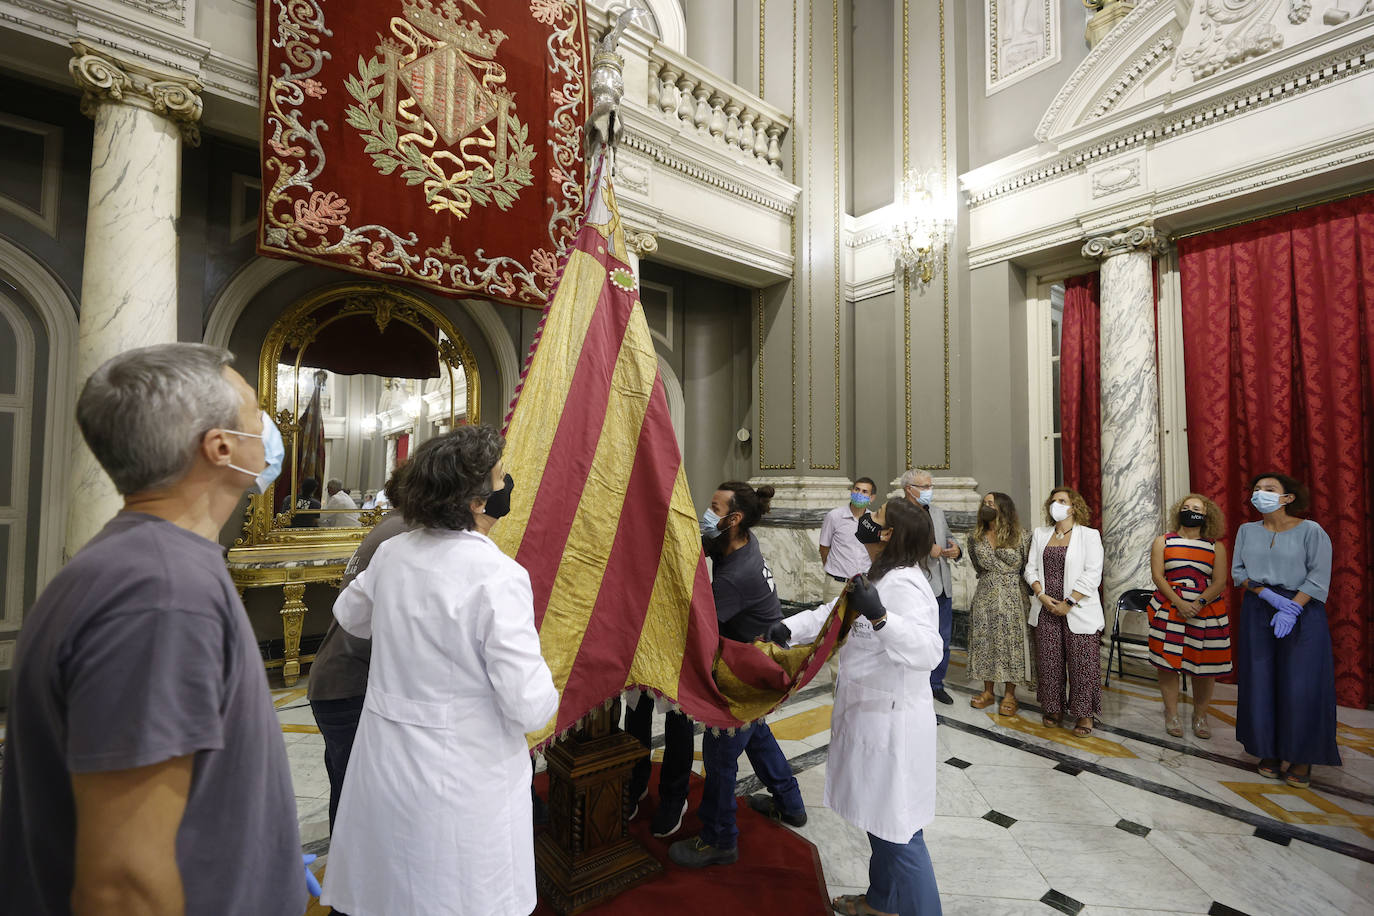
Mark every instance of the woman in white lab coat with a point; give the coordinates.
(880, 774)
(1064, 570)
(435, 816)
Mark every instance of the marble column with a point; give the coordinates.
(1131, 484)
(129, 276)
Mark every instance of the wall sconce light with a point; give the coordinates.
(924, 228)
(412, 408)
(369, 425)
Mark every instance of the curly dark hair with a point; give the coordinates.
(1214, 526)
(913, 536)
(1291, 485)
(751, 504)
(446, 474)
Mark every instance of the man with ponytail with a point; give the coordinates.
(747, 608)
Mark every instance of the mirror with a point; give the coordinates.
(357, 377)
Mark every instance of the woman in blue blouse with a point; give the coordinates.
(1286, 705)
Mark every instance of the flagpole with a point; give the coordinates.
(573, 870)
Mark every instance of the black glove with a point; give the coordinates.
(780, 634)
(863, 597)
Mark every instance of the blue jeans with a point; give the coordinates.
(946, 603)
(901, 879)
(720, 754)
(338, 722)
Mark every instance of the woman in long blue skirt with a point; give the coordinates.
(1286, 704)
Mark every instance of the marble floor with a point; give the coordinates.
(1035, 820)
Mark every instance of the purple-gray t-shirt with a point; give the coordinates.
(137, 652)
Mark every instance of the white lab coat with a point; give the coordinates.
(880, 774)
(1082, 574)
(435, 816)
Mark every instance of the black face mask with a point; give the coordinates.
(870, 532)
(987, 514)
(1187, 518)
(498, 503)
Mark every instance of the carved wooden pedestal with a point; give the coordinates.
(587, 856)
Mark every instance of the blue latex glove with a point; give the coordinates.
(312, 884)
(1273, 598)
(1284, 619)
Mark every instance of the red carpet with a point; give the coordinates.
(777, 872)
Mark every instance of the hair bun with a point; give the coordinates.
(765, 495)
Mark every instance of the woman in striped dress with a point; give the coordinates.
(1190, 630)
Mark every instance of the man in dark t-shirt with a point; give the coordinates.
(145, 770)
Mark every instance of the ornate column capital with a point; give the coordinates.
(1137, 238)
(640, 243)
(105, 79)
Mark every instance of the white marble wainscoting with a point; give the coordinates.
(1034, 820)
(793, 553)
(1131, 490)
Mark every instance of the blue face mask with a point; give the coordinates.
(709, 523)
(1264, 501)
(925, 496)
(860, 499)
(273, 450)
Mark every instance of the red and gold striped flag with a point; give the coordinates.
(602, 517)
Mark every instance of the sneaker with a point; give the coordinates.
(942, 696)
(765, 804)
(697, 853)
(668, 818)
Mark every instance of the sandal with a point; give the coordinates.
(1269, 769)
(1174, 726)
(1298, 781)
(855, 905)
(1083, 731)
(1050, 721)
(983, 700)
(1009, 706)
(1200, 729)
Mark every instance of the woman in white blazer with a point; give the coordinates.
(1064, 570)
(881, 772)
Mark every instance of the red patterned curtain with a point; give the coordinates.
(1278, 326)
(1080, 391)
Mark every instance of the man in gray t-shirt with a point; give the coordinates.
(145, 770)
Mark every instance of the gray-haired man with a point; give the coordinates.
(919, 488)
(145, 770)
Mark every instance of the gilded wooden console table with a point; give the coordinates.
(292, 568)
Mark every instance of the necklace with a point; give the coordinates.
(1062, 534)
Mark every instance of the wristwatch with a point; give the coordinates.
(1071, 601)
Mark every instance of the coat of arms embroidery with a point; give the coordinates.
(433, 106)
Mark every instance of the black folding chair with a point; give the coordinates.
(1132, 601)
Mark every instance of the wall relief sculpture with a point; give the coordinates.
(1224, 33)
(1022, 38)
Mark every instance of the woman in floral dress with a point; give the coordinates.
(998, 638)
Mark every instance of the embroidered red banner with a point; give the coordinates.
(436, 143)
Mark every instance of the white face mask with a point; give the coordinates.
(1059, 511)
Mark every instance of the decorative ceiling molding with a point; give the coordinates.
(1281, 87)
(1107, 64)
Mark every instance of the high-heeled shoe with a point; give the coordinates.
(1200, 729)
(1174, 726)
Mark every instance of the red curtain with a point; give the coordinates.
(1278, 326)
(402, 448)
(1080, 390)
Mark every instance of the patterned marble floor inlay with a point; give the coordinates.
(1029, 819)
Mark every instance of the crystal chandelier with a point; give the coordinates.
(924, 228)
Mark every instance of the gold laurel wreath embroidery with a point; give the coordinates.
(315, 224)
(498, 182)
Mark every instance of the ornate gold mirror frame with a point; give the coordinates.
(293, 331)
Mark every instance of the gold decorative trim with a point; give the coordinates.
(839, 208)
(791, 288)
(763, 5)
(295, 328)
(944, 183)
